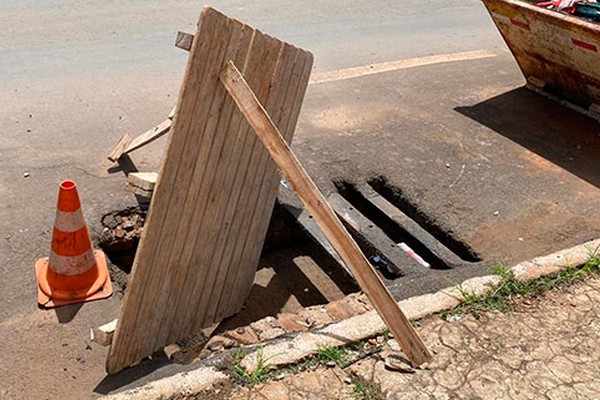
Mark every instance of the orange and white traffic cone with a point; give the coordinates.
(74, 272)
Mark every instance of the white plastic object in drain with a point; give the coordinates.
(413, 255)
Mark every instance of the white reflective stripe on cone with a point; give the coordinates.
(69, 221)
(73, 265)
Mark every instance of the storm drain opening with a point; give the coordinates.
(388, 269)
(400, 238)
(395, 196)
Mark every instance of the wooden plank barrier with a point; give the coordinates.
(215, 191)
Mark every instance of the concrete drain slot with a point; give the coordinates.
(410, 245)
(394, 196)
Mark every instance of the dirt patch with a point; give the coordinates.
(119, 239)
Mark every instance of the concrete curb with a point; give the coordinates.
(369, 324)
(182, 383)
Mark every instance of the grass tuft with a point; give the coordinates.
(259, 374)
(363, 389)
(332, 355)
(509, 288)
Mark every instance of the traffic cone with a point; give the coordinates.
(74, 272)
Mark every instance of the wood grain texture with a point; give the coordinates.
(148, 136)
(317, 205)
(141, 183)
(184, 40)
(119, 148)
(215, 193)
(103, 334)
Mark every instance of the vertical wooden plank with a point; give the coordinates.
(225, 224)
(262, 52)
(198, 138)
(195, 207)
(251, 248)
(211, 181)
(238, 217)
(323, 214)
(154, 243)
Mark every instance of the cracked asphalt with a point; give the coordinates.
(545, 348)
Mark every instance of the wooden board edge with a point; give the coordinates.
(119, 148)
(103, 335)
(184, 40)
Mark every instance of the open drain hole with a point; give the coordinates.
(120, 237)
(400, 238)
(395, 196)
(376, 258)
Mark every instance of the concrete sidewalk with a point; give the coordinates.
(545, 348)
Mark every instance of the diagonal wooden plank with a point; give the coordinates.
(149, 136)
(322, 212)
(197, 206)
(213, 192)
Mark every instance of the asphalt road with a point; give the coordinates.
(75, 76)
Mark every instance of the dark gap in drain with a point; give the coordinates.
(395, 196)
(388, 269)
(387, 225)
(286, 236)
(120, 237)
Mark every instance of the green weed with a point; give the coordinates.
(238, 354)
(259, 374)
(363, 389)
(509, 288)
(337, 355)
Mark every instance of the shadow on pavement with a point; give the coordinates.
(65, 314)
(124, 164)
(554, 132)
(288, 284)
(145, 371)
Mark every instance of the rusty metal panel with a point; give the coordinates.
(557, 52)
